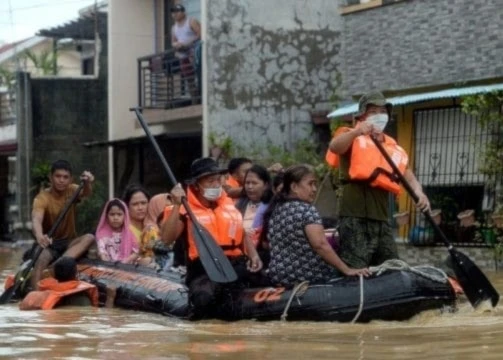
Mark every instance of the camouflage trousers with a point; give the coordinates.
(365, 242)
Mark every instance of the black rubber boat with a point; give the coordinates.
(393, 295)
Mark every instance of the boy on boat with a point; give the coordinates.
(47, 205)
(366, 238)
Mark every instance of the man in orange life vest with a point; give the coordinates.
(62, 289)
(216, 212)
(366, 238)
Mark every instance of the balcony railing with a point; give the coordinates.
(166, 81)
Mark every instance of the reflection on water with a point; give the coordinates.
(90, 333)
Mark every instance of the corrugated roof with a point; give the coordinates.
(409, 99)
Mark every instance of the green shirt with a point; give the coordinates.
(360, 199)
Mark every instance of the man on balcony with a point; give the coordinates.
(185, 37)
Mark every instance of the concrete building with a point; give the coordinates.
(425, 56)
(266, 67)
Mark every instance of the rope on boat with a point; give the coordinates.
(360, 308)
(298, 290)
(426, 271)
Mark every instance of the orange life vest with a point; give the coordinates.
(51, 292)
(368, 164)
(224, 223)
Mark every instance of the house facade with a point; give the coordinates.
(265, 68)
(425, 56)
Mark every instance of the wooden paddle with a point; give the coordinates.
(26, 267)
(213, 259)
(475, 284)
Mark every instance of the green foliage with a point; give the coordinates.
(40, 174)
(89, 211)
(44, 62)
(488, 108)
(7, 78)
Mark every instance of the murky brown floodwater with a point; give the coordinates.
(89, 333)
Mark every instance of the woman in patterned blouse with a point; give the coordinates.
(294, 230)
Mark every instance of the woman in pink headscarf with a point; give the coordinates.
(116, 242)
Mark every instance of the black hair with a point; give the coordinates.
(115, 202)
(133, 189)
(61, 165)
(235, 163)
(263, 175)
(294, 174)
(65, 269)
(278, 180)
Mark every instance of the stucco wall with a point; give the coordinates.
(420, 43)
(268, 64)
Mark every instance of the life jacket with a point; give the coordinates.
(50, 292)
(369, 165)
(224, 223)
(332, 158)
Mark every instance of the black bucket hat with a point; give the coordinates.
(372, 98)
(203, 167)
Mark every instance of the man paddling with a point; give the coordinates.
(216, 212)
(46, 207)
(365, 234)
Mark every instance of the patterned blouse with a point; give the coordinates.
(293, 260)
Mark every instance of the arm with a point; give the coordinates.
(254, 263)
(196, 28)
(233, 192)
(423, 204)
(172, 227)
(37, 216)
(88, 179)
(341, 143)
(320, 245)
(102, 252)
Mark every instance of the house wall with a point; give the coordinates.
(69, 62)
(131, 34)
(268, 63)
(412, 44)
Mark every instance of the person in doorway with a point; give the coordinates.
(366, 238)
(216, 212)
(294, 231)
(116, 241)
(237, 169)
(47, 205)
(185, 35)
(64, 289)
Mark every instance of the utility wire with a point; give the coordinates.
(51, 4)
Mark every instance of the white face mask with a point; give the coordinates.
(379, 121)
(212, 194)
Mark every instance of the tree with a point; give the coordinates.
(45, 63)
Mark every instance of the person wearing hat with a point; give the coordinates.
(365, 234)
(216, 212)
(185, 36)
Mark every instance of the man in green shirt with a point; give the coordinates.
(366, 238)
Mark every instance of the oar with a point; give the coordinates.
(213, 259)
(26, 267)
(475, 284)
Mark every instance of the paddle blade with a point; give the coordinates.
(475, 284)
(7, 295)
(216, 264)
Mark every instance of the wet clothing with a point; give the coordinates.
(52, 293)
(293, 260)
(51, 204)
(368, 242)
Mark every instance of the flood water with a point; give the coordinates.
(90, 333)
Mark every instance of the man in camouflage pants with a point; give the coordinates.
(366, 238)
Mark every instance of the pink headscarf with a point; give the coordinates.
(128, 240)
